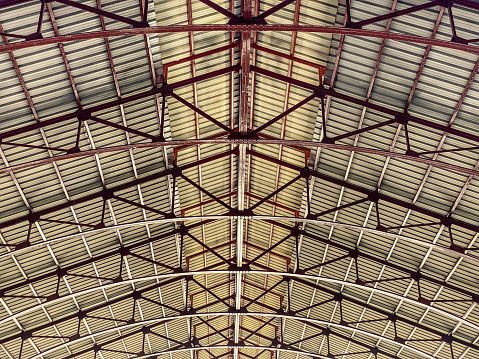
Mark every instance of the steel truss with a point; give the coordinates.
(286, 275)
(299, 278)
(239, 27)
(275, 142)
(240, 139)
(278, 219)
(295, 231)
(324, 327)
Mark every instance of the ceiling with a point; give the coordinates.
(239, 179)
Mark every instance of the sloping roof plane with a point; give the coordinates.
(239, 179)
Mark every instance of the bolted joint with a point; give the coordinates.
(176, 171)
(281, 311)
(416, 276)
(22, 245)
(74, 337)
(459, 40)
(326, 331)
(373, 196)
(424, 301)
(106, 194)
(34, 36)
(354, 25)
(245, 267)
(53, 297)
(124, 251)
(457, 248)
(233, 267)
(232, 310)
(412, 153)
(83, 115)
(295, 231)
(320, 92)
(327, 140)
(190, 311)
(354, 253)
(248, 212)
(96, 348)
(81, 315)
(393, 317)
(242, 310)
(183, 230)
(33, 217)
(446, 221)
(60, 272)
(140, 24)
(195, 342)
(311, 216)
(72, 150)
(259, 21)
(170, 215)
(359, 282)
(338, 297)
(99, 225)
(402, 118)
(374, 350)
(275, 342)
(381, 228)
(136, 295)
(447, 338)
(305, 172)
(26, 335)
(237, 137)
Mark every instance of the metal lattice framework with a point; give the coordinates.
(241, 179)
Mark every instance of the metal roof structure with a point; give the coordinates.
(239, 179)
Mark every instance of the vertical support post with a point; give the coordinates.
(323, 117)
(245, 49)
(162, 118)
(348, 14)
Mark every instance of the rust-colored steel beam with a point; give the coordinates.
(274, 9)
(197, 56)
(269, 141)
(369, 193)
(104, 13)
(286, 112)
(286, 276)
(240, 27)
(321, 68)
(219, 9)
(108, 192)
(394, 14)
(86, 112)
(399, 117)
(200, 112)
